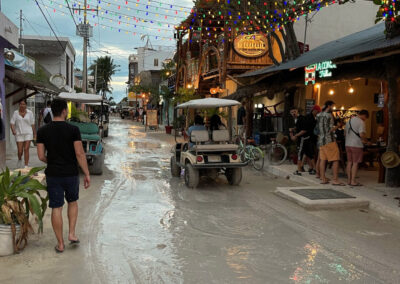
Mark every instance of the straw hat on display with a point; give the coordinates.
(390, 159)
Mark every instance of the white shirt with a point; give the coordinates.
(358, 125)
(45, 112)
(23, 125)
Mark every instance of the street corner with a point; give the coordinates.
(321, 198)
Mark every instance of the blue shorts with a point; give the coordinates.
(60, 187)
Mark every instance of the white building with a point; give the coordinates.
(58, 57)
(148, 59)
(336, 21)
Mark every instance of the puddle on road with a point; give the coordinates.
(133, 247)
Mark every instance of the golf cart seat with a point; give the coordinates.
(89, 131)
(218, 136)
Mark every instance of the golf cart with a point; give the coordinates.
(100, 115)
(212, 153)
(90, 133)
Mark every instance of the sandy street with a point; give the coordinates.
(139, 225)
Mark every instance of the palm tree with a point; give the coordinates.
(105, 69)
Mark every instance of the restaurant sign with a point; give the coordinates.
(323, 69)
(254, 45)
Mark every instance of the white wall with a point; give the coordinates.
(336, 21)
(146, 58)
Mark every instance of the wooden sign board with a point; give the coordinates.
(151, 118)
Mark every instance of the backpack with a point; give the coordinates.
(47, 118)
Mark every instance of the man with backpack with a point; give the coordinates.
(47, 114)
(355, 138)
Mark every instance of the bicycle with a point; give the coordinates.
(276, 152)
(251, 154)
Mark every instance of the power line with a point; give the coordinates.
(49, 25)
(70, 11)
(51, 19)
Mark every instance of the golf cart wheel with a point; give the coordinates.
(175, 169)
(106, 133)
(234, 176)
(192, 176)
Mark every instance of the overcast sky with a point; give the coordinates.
(119, 44)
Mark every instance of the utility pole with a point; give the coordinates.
(95, 79)
(20, 32)
(85, 30)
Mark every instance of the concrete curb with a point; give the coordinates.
(376, 202)
(321, 204)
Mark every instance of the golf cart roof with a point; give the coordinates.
(105, 103)
(81, 97)
(208, 103)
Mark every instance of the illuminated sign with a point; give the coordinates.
(323, 69)
(251, 45)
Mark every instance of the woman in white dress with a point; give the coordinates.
(23, 128)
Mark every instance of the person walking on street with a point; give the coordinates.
(47, 114)
(328, 148)
(63, 144)
(355, 138)
(23, 128)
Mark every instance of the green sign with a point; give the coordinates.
(324, 69)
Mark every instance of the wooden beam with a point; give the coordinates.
(14, 92)
(235, 80)
(26, 97)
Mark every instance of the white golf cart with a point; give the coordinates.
(211, 153)
(90, 132)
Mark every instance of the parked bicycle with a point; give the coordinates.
(251, 154)
(276, 152)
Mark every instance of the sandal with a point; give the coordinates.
(357, 184)
(58, 250)
(74, 242)
(338, 184)
(325, 182)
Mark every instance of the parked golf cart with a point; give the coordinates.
(90, 133)
(212, 153)
(125, 112)
(100, 116)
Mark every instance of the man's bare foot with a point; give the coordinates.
(73, 238)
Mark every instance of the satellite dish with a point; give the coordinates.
(58, 80)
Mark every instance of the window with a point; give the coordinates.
(67, 70)
(156, 62)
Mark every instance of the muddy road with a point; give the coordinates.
(139, 225)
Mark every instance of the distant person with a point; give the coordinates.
(355, 138)
(198, 125)
(216, 123)
(328, 148)
(23, 128)
(241, 120)
(63, 144)
(47, 114)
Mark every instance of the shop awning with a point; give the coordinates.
(81, 97)
(208, 103)
(368, 40)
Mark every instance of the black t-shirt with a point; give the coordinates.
(301, 124)
(240, 115)
(311, 122)
(58, 138)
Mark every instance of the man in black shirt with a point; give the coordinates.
(63, 144)
(302, 133)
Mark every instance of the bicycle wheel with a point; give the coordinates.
(257, 158)
(277, 154)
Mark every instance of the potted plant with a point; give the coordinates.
(168, 97)
(20, 196)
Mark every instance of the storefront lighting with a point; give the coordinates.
(317, 86)
(260, 106)
(334, 108)
(331, 92)
(342, 108)
(351, 90)
(189, 86)
(255, 105)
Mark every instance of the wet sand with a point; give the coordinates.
(139, 225)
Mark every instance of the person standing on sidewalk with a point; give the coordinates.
(46, 115)
(63, 144)
(328, 148)
(355, 139)
(23, 128)
(241, 120)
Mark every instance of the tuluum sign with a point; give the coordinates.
(254, 45)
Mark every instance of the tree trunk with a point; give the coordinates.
(288, 51)
(293, 45)
(392, 74)
(271, 51)
(281, 50)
